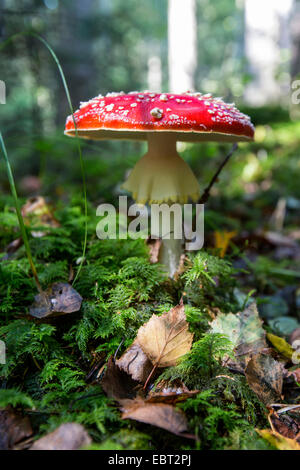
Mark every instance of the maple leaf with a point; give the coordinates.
(165, 339)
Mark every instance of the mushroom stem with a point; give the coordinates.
(170, 251)
(161, 175)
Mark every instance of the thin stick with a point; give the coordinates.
(149, 377)
(19, 215)
(204, 198)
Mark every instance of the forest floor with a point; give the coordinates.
(232, 382)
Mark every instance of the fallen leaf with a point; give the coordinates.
(222, 240)
(68, 436)
(265, 377)
(296, 374)
(163, 416)
(60, 298)
(37, 213)
(281, 345)
(166, 339)
(14, 428)
(278, 441)
(135, 362)
(170, 393)
(285, 425)
(244, 329)
(116, 383)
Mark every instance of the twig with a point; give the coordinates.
(204, 198)
(115, 355)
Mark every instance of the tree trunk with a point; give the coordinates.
(182, 44)
(267, 34)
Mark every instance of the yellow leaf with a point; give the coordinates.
(222, 240)
(281, 345)
(166, 338)
(278, 441)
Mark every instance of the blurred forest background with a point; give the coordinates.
(247, 51)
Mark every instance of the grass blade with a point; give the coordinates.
(66, 88)
(19, 215)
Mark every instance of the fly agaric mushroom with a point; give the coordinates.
(162, 119)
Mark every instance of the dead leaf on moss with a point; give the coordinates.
(295, 374)
(287, 425)
(68, 436)
(265, 377)
(244, 329)
(37, 213)
(14, 428)
(157, 414)
(166, 339)
(135, 362)
(60, 298)
(116, 383)
(170, 393)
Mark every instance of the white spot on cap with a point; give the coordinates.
(109, 107)
(156, 113)
(133, 105)
(163, 97)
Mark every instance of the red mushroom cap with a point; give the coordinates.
(192, 116)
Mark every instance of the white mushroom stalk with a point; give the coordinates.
(161, 175)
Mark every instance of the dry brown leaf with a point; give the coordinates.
(170, 393)
(116, 383)
(285, 425)
(166, 339)
(157, 414)
(68, 436)
(265, 377)
(135, 362)
(14, 428)
(294, 373)
(60, 298)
